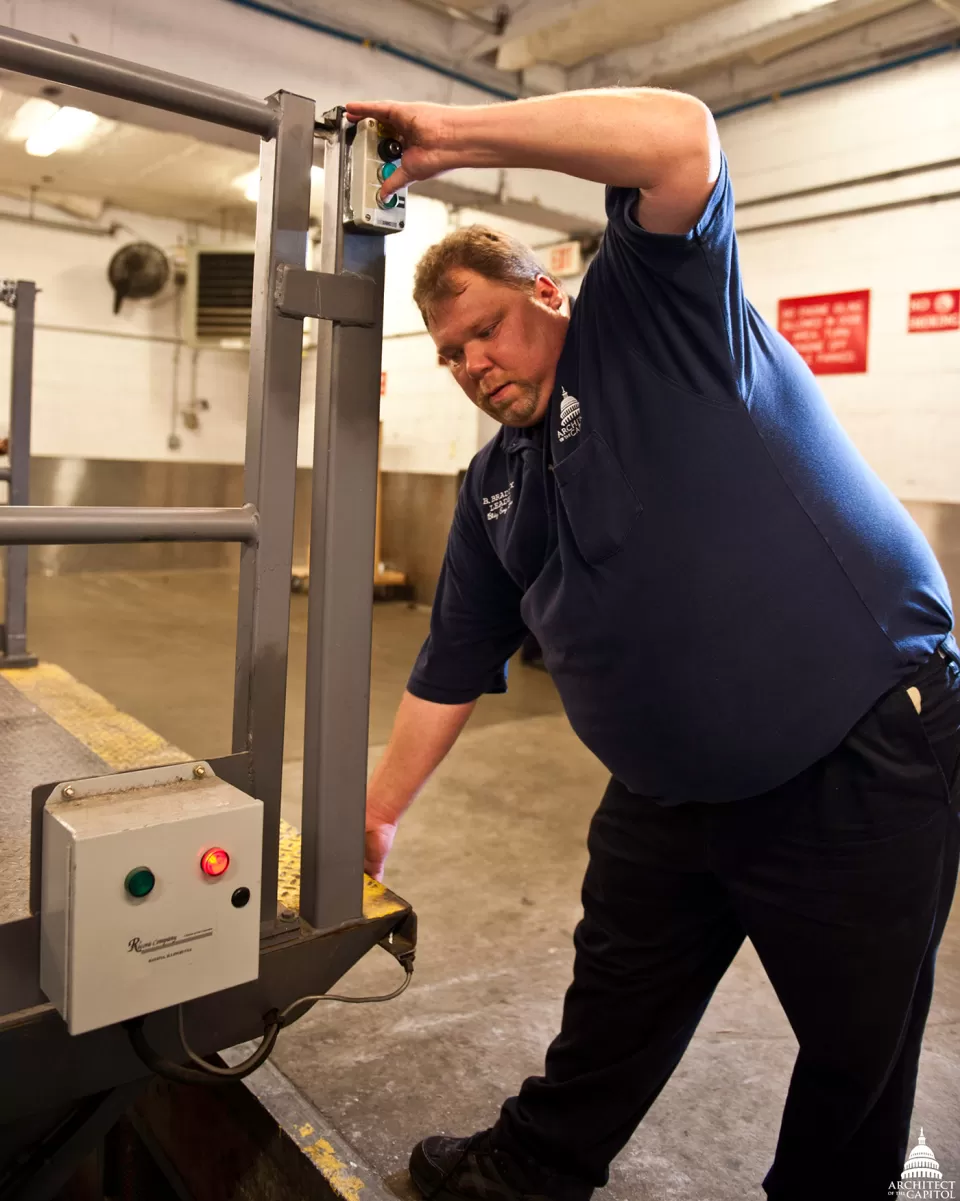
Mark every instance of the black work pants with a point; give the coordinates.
(842, 878)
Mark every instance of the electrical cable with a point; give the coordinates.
(203, 1071)
(406, 961)
(272, 1028)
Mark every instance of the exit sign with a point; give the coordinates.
(564, 259)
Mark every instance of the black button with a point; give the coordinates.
(240, 898)
(389, 149)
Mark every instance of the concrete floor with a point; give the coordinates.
(491, 857)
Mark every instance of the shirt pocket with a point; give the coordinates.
(600, 504)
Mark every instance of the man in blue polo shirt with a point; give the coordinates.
(744, 626)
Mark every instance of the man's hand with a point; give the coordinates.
(379, 840)
(422, 734)
(424, 131)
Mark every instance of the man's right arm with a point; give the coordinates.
(474, 629)
(423, 733)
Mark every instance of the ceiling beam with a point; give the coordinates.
(757, 30)
(912, 29)
(583, 31)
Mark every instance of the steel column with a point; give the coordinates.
(341, 576)
(110, 76)
(71, 525)
(21, 391)
(273, 422)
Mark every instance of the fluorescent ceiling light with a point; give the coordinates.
(30, 117)
(67, 128)
(249, 183)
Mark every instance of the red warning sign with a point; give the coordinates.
(830, 332)
(931, 311)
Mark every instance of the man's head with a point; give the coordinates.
(498, 321)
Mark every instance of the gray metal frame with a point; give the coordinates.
(273, 424)
(296, 957)
(21, 296)
(340, 609)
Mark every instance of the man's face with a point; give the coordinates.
(502, 343)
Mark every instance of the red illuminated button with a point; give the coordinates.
(215, 862)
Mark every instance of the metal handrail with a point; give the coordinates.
(52, 525)
(111, 76)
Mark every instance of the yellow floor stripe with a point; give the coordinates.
(116, 737)
(126, 744)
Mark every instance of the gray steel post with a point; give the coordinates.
(21, 389)
(110, 76)
(341, 577)
(273, 422)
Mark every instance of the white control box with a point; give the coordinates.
(150, 892)
(369, 165)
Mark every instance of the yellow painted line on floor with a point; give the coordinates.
(336, 1173)
(115, 736)
(126, 744)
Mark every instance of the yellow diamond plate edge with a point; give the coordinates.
(127, 744)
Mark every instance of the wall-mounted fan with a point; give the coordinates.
(137, 272)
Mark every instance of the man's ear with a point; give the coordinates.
(548, 292)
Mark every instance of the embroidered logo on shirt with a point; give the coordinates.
(499, 503)
(569, 416)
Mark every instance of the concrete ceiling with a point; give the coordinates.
(595, 29)
(552, 45)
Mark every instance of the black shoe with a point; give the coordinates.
(454, 1169)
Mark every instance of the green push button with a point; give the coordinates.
(140, 882)
(386, 171)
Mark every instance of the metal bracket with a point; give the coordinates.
(346, 299)
(331, 119)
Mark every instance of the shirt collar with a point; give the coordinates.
(513, 440)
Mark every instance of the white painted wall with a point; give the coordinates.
(104, 384)
(904, 413)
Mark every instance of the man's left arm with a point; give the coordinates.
(663, 143)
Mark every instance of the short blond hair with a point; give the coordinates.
(494, 255)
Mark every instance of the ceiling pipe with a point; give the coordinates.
(849, 182)
(70, 227)
(886, 206)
